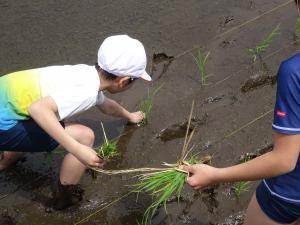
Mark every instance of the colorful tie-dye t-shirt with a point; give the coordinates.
(74, 88)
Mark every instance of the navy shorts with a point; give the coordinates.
(27, 136)
(276, 208)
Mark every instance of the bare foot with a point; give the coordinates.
(8, 159)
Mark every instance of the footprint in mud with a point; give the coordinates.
(175, 131)
(228, 43)
(251, 4)
(225, 21)
(210, 100)
(258, 80)
(161, 58)
(178, 130)
(209, 199)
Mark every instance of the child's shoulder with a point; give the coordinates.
(292, 62)
(291, 65)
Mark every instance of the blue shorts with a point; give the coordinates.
(276, 208)
(26, 136)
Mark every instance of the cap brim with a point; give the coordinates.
(145, 76)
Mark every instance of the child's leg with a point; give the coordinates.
(25, 136)
(255, 216)
(10, 158)
(269, 209)
(72, 169)
(67, 192)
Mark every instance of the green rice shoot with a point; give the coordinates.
(108, 149)
(161, 185)
(264, 44)
(201, 59)
(241, 187)
(297, 30)
(50, 155)
(146, 105)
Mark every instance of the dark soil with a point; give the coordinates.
(5, 219)
(258, 80)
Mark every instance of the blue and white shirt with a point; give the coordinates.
(287, 121)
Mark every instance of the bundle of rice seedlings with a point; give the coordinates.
(108, 149)
(161, 185)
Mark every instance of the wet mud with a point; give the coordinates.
(225, 21)
(6, 219)
(237, 219)
(179, 130)
(160, 64)
(40, 33)
(260, 79)
(252, 155)
(210, 100)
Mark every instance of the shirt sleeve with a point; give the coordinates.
(287, 106)
(100, 98)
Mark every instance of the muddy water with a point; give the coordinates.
(43, 33)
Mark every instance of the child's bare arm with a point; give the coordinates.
(111, 107)
(44, 113)
(281, 160)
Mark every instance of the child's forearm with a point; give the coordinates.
(44, 114)
(110, 107)
(269, 165)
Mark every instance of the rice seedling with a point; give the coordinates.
(108, 149)
(161, 185)
(246, 157)
(50, 156)
(146, 105)
(297, 30)
(241, 187)
(264, 44)
(201, 59)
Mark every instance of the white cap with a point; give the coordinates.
(122, 55)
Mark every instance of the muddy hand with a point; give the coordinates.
(89, 157)
(136, 117)
(201, 175)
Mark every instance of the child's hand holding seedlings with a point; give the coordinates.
(88, 157)
(201, 175)
(281, 160)
(136, 117)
